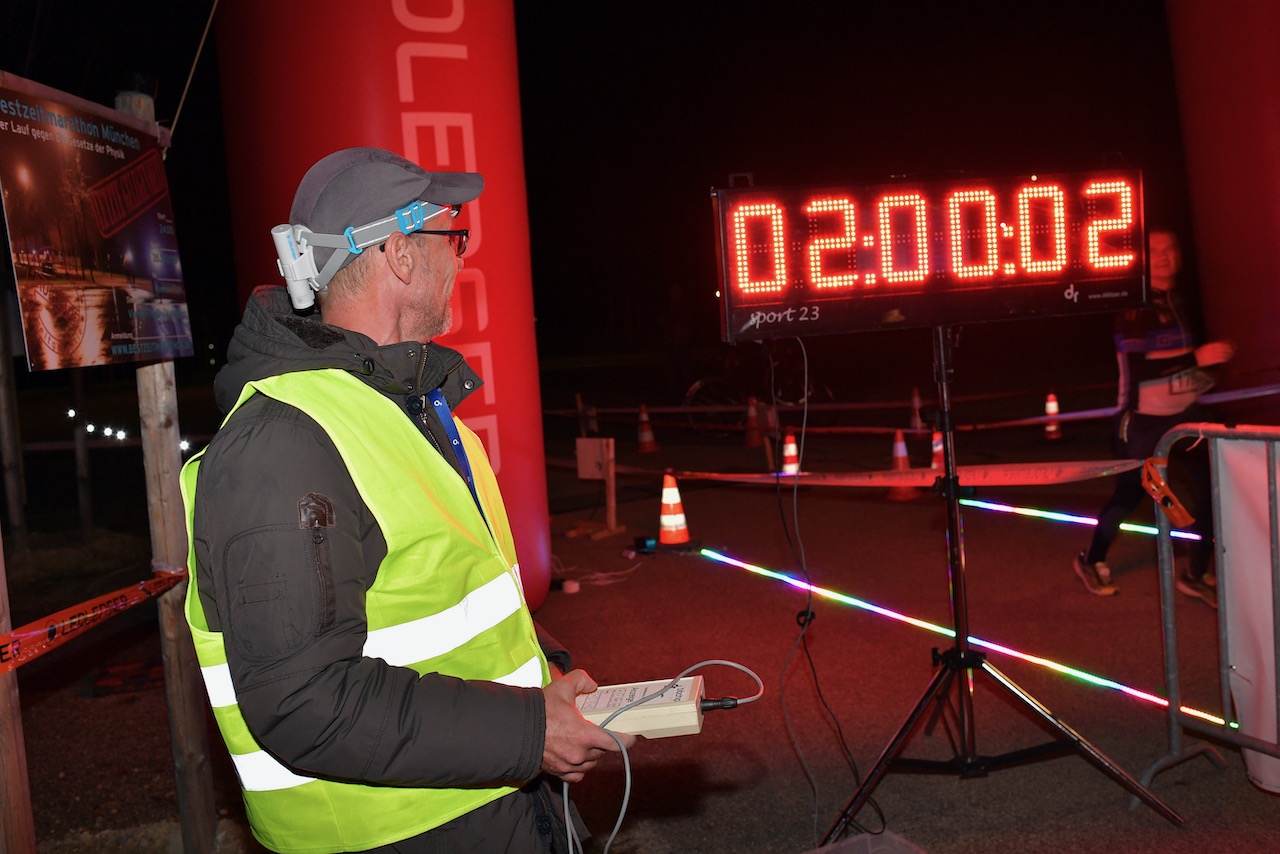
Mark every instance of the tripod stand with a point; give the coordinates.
(962, 660)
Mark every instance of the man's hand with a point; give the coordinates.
(573, 745)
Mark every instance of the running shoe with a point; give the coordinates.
(1095, 576)
(1196, 588)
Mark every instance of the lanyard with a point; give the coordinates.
(451, 430)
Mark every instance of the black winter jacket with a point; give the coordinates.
(305, 689)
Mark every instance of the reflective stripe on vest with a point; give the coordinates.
(447, 623)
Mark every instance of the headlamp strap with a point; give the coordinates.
(294, 245)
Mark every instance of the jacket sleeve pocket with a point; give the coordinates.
(283, 592)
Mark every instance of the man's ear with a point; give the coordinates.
(399, 257)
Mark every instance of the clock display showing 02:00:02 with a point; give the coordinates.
(966, 234)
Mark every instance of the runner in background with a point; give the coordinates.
(1163, 373)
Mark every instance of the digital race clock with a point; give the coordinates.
(814, 261)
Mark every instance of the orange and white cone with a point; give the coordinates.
(901, 463)
(673, 530)
(647, 444)
(753, 439)
(790, 456)
(1051, 428)
(938, 463)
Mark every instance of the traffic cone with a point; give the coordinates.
(790, 456)
(917, 423)
(753, 424)
(1051, 428)
(673, 530)
(901, 463)
(938, 464)
(647, 443)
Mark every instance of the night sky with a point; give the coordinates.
(632, 117)
(633, 111)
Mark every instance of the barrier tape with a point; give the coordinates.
(36, 638)
(996, 474)
(605, 413)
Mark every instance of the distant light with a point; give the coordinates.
(89, 428)
(184, 446)
(119, 434)
(107, 431)
(71, 413)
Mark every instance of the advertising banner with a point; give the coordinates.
(91, 233)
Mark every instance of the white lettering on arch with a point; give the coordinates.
(469, 291)
(428, 23)
(409, 51)
(437, 130)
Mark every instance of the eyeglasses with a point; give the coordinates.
(458, 238)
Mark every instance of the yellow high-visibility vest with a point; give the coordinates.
(464, 617)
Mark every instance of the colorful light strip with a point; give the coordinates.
(1067, 517)
(1082, 675)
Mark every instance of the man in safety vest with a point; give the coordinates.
(355, 598)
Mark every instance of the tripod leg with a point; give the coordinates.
(937, 686)
(945, 714)
(1090, 752)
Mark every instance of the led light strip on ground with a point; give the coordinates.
(1067, 517)
(832, 595)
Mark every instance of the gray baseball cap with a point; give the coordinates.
(356, 186)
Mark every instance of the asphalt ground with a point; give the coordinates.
(771, 776)
(774, 776)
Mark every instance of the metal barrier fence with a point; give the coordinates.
(1243, 465)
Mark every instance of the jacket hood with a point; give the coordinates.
(272, 340)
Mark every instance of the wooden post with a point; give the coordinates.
(17, 827)
(15, 490)
(188, 730)
(597, 460)
(84, 483)
(582, 414)
(610, 492)
(162, 458)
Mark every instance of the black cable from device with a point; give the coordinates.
(722, 703)
(572, 842)
(806, 616)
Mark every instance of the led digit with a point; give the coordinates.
(1057, 228)
(983, 236)
(913, 202)
(773, 248)
(1123, 191)
(843, 243)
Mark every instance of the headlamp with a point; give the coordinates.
(295, 248)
